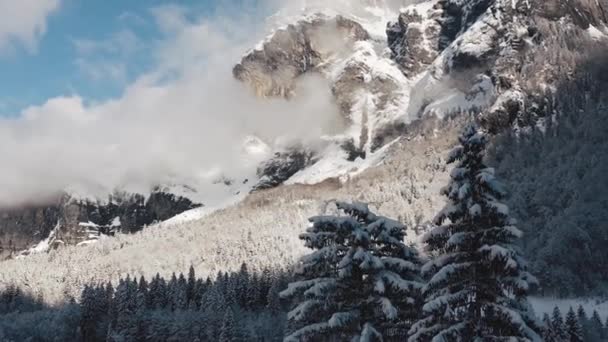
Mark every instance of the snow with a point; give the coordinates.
(390, 312)
(502, 253)
(88, 224)
(334, 164)
(597, 34)
(116, 222)
(44, 245)
(478, 39)
(545, 305)
(86, 243)
(499, 207)
(372, 15)
(369, 333)
(340, 319)
(201, 212)
(475, 210)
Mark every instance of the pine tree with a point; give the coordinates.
(361, 281)
(89, 314)
(112, 313)
(559, 328)
(242, 286)
(153, 293)
(266, 281)
(163, 301)
(573, 327)
(253, 292)
(548, 332)
(214, 305)
(273, 299)
(581, 314)
(181, 293)
(478, 281)
(140, 313)
(191, 292)
(595, 329)
(126, 307)
(230, 331)
(172, 292)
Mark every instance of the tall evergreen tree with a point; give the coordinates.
(581, 314)
(478, 281)
(191, 286)
(126, 308)
(112, 312)
(361, 281)
(273, 299)
(230, 331)
(548, 333)
(89, 313)
(573, 327)
(266, 281)
(242, 285)
(181, 293)
(253, 292)
(557, 323)
(597, 328)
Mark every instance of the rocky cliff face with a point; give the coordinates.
(502, 58)
(272, 69)
(72, 221)
(370, 91)
(498, 59)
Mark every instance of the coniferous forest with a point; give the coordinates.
(361, 282)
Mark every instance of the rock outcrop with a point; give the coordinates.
(272, 69)
(370, 91)
(282, 166)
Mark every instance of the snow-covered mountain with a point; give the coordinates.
(403, 76)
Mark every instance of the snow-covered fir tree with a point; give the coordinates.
(126, 308)
(360, 283)
(558, 326)
(191, 288)
(573, 327)
(273, 299)
(90, 310)
(230, 331)
(478, 281)
(596, 331)
(548, 333)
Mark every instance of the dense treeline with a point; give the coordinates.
(575, 327)
(208, 316)
(237, 306)
(557, 173)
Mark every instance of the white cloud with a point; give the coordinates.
(23, 22)
(103, 70)
(131, 18)
(123, 42)
(107, 59)
(175, 124)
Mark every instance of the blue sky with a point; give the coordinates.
(93, 49)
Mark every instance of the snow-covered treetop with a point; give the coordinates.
(360, 280)
(477, 280)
